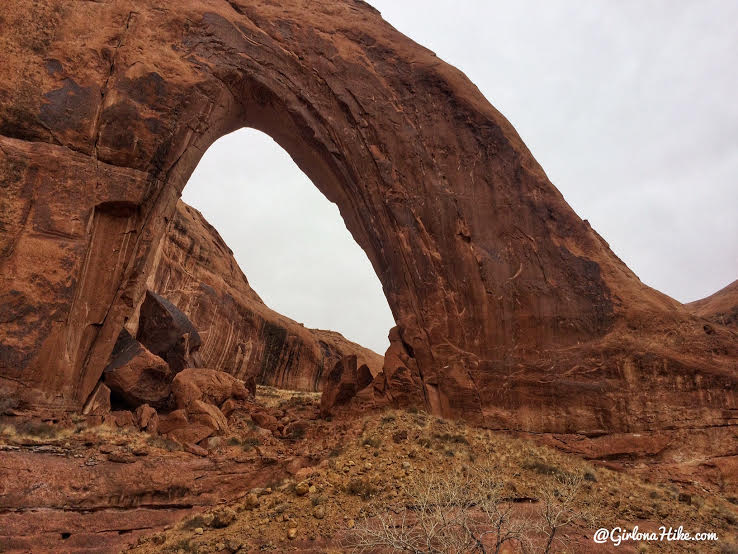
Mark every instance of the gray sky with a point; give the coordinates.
(631, 107)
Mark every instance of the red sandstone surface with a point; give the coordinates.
(720, 307)
(195, 270)
(511, 312)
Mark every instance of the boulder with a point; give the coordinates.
(265, 421)
(342, 383)
(208, 385)
(178, 426)
(250, 384)
(167, 332)
(99, 401)
(207, 415)
(195, 421)
(136, 376)
(122, 418)
(147, 419)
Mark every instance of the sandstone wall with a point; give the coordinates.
(240, 335)
(720, 307)
(511, 310)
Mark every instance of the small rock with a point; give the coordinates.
(406, 465)
(685, 498)
(302, 488)
(252, 501)
(195, 449)
(319, 512)
(223, 517)
(291, 533)
(350, 524)
(198, 531)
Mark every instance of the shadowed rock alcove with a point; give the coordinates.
(511, 311)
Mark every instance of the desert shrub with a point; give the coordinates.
(8, 404)
(361, 488)
(451, 512)
(449, 437)
(250, 442)
(374, 442)
(541, 467)
(38, 429)
(164, 443)
(469, 511)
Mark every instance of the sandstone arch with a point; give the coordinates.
(511, 310)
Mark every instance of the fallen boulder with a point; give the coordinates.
(193, 424)
(343, 382)
(136, 376)
(264, 420)
(167, 332)
(147, 419)
(208, 385)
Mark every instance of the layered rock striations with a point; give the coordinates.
(238, 333)
(720, 307)
(511, 311)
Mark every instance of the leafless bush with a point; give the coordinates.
(467, 511)
(450, 513)
(559, 508)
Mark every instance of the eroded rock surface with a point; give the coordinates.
(135, 376)
(168, 333)
(720, 308)
(343, 382)
(511, 311)
(240, 335)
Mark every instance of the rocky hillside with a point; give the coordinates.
(285, 480)
(721, 307)
(196, 271)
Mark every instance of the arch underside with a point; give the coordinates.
(511, 311)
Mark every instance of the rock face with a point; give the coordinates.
(720, 308)
(511, 311)
(168, 333)
(196, 271)
(135, 376)
(212, 386)
(343, 382)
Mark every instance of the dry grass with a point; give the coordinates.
(374, 470)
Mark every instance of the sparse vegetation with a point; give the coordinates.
(8, 404)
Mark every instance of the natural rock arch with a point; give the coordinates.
(511, 311)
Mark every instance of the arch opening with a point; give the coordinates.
(288, 239)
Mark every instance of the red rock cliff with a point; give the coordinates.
(196, 271)
(720, 307)
(511, 310)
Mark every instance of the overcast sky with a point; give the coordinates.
(631, 107)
